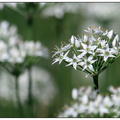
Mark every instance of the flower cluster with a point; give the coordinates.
(92, 53)
(15, 53)
(88, 103)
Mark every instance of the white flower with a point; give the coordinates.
(74, 93)
(87, 63)
(97, 31)
(103, 43)
(84, 99)
(107, 102)
(61, 57)
(70, 112)
(106, 53)
(110, 34)
(73, 61)
(87, 48)
(103, 110)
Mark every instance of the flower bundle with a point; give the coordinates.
(91, 53)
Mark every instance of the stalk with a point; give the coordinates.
(95, 80)
(30, 98)
(30, 86)
(17, 96)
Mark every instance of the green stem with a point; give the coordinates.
(18, 97)
(95, 80)
(29, 87)
(30, 97)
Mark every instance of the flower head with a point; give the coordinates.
(93, 52)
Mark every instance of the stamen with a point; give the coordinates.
(95, 27)
(104, 30)
(86, 33)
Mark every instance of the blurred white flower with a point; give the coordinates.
(59, 9)
(74, 93)
(90, 104)
(44, 87)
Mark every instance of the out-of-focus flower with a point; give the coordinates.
(16, 55)
(44, 87)
(59, 9)
(90, 104)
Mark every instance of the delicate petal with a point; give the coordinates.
(69, 64)
(105, 58)
(55, 60)
(85, 38)
(73, 38)
(75, 65)
(91, 67)
(77, 44)
(84, 45)
(90, 58)
(110, 34)
(84, 67)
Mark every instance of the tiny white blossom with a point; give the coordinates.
(106, 53)
(87, 63)
(73, 61)
(61, 57)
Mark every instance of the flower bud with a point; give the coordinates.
(72, 39)
(110, 34)
(77, 44)
(85, 38)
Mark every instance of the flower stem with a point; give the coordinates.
(18, 97)
(95, 80)
(30, 87)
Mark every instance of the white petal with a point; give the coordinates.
(110, 34)
(93, 47)
(69, 64)
(66, 53)
(84, 45)
(84, 67)
(80, 56)
(90, 58)
(100, 55)
(93, 61)
(77, 44)
(91, 67)
(111, 56)
(81, 63)
(56, 60)
(74, 93)
(85, 38)
(60, 61)
(73, 39)
(116, 39)
(75, 65)
(105, 58)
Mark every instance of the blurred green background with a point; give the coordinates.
(52, 84)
